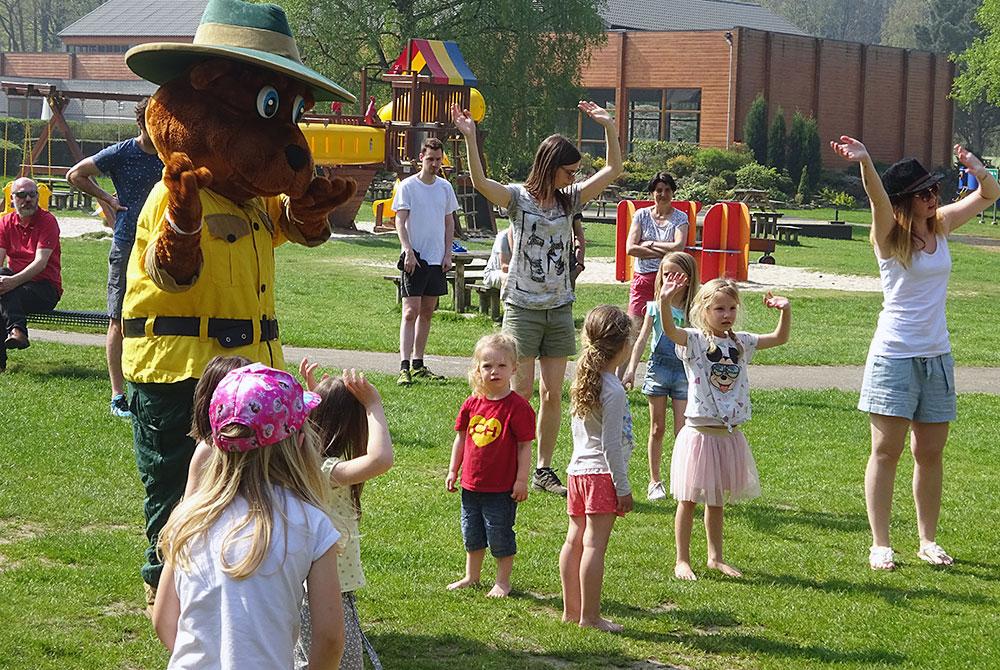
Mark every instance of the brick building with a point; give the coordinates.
(689, 70)
(678, 69)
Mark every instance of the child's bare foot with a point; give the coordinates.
(499, 591)
(683, 571)
(463, 583)
(570, 618)
(724, 568)
(601, 623)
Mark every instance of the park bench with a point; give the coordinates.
(466, 277)
(60, 318)
(789, 234)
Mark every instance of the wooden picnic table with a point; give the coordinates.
(461, 261)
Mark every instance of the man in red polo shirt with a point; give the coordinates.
(31, 280)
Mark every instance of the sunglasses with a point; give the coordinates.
(929, 193)
(725, 370)
(25, 194)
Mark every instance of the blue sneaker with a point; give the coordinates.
(119, 407)
(457, 248)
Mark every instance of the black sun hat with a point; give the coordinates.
(907, 177)
(252, 33)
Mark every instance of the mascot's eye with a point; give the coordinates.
(298, 108)
(267, 102)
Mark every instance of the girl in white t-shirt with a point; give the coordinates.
(598, 469)
(712, 462)
(354, 438)
(236, 552)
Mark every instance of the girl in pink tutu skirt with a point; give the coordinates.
(712, 462)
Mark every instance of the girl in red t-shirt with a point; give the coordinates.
(495, 428)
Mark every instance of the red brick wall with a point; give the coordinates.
(849, 88)
(52, 65)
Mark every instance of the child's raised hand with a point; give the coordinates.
(624, 504)
(449, 481)
(520, 492)
(308, 372)
(776, 301)
(673, 283)
(361, 388)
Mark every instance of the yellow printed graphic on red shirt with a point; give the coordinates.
(483, 430)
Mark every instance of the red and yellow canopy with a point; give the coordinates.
(440, 60)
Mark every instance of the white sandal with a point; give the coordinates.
(881, 558)
(933, 553)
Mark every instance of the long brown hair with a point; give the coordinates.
(688, 266)
(900, 242)
(554, 152)
(606, 331)
(215, 370)
(342, 426)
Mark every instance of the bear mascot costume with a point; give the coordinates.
(238, 181)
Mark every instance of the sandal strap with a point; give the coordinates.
(881, 555)
(934, 550)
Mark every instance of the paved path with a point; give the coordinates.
(817, 377)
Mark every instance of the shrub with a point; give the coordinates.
(697, 191)
(757, 176)
(715, 161)
(804, 194)
(755, 129)
(838, 199)
(729, 176)
(795, 147)
(718, 187)
(776, 141)
(680, 166)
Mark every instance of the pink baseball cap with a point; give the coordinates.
(270, 402)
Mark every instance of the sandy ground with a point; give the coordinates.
(761, 277)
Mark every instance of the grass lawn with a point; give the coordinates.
(70, 543)
(334, 296)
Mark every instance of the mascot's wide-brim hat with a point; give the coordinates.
(235, 30)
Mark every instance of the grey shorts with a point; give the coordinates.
(117, 268)
(918, 389)
(541, 333)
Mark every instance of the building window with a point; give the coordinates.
(667, 114)
(591, 133)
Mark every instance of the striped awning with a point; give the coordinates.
(440, 60)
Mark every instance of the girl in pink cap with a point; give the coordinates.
(236, 552)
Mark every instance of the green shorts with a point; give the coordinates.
(541, 333)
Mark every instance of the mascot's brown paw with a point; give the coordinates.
(183, 181)
(322, 197)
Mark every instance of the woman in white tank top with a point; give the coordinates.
(909, 383)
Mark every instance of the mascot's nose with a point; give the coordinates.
(296, 156)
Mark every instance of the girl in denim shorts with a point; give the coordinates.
(598, 486)
(665, 377)
(909, 382)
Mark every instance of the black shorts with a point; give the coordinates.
(425, 280)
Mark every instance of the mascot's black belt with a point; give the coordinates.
(229, 332)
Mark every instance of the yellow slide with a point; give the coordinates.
(338, 144)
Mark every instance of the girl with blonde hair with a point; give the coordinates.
(237, 551)
(711, 462)
(598, 483)
(909, 382)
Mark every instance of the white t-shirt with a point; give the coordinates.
(539, 276)
(600, 442)
(912, 322)
(251, 623)
(718, 387)
(427, 204)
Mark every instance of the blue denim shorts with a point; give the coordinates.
(918, 389)
(488, 519)
(665, 377)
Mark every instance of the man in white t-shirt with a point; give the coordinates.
(425, 205)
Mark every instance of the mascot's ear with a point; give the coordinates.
(203, 75)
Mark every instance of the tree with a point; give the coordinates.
(796, 147)
(901, 21)
(527, 55)
(34, 25)
(851, 20)
(776, 141)
(812, 155)
(755, 129)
